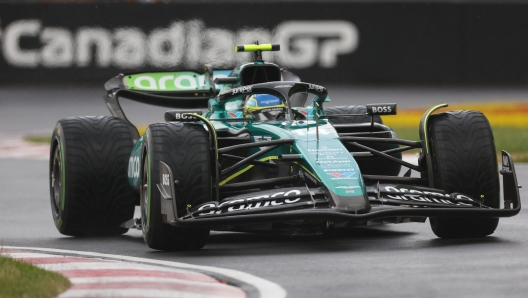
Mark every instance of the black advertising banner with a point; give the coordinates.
(354, 42)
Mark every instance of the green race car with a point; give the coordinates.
(254, 149)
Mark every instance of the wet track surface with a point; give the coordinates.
(405, 260)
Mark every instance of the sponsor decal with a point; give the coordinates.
(266, 102)
(236, 114)
(185, 44)
(422, 196)
(344, 175)
(261, 138)
(133, 167)
(505, 163)
(316, 87)
(262, 200)
(307, 112)
(166, 179)
(386, 109)
(270, 110)
(241, 90)
(184, 80)
(347, 187)
(183, 116)
(381, 109)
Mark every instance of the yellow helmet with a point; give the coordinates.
(264, 107)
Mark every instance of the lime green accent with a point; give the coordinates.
(307, 171)
(59, 222)
(167, 81)
(245, 170)
(171, 81)
(63, 169)
(425, 123)
(253, 48)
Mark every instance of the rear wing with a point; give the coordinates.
(165, 82)
(181, 89)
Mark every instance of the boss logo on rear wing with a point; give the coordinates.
(381, 109)
(182, 116)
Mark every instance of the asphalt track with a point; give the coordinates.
(404, 260)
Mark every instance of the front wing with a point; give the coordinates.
(303, 203)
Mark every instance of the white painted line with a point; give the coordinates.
(264, 287)
(26, 255)
(109, 266)
(133, 279)
(131, 292)
(142, 279)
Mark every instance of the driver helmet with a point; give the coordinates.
(264, 107)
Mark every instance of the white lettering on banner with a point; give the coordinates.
(165, 47)
(188, 44)
(130, 50)
(13, 54)
(98, 38)
(342, 37)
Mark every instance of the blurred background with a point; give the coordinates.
(56, 55)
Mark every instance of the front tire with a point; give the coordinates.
(89, 190)
(185, 148)
(464, 161)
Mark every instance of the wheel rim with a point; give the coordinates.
(144, 189)
(56, 182)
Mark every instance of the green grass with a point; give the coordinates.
(40, 139)
(512, 139)
(21, 280)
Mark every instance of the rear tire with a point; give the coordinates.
(464, 160)
(89, 190)
(185, 148)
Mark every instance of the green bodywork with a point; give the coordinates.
(324, 157)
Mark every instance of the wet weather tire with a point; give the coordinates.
(89, 190)
(464, 161)
(185, 148)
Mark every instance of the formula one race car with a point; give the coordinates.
(266, 156)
